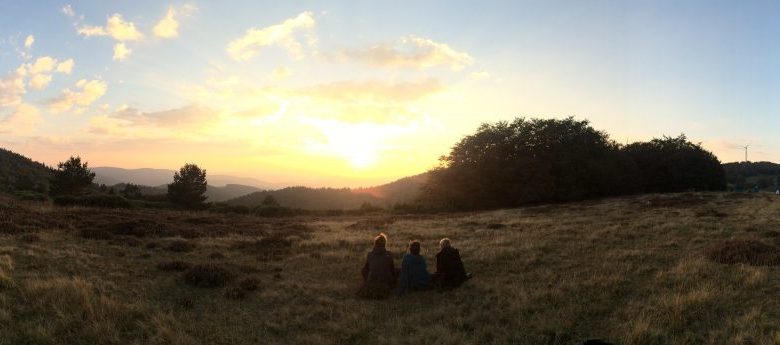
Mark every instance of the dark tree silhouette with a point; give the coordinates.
(131, 191)
(529, 161)
(675, 165)
(71, 177)
(188, 187)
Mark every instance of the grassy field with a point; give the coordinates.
(639, 270)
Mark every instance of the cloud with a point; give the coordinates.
(376, 90)
(68, 10)
(281, 73)
(12, 87)
(173, 118)
(40, 81)
(167, 27)
(66, 66)
(28, 42)
(87, 92)
(25, 119)
(121, 51)
(283, 34)
(116, 27)
(43, 64)
(411, 52)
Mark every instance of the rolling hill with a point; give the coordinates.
(404, 190)
(18, 172)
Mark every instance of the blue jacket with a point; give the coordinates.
(414, 273)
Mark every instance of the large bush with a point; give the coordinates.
(676, 164)
(508, 164)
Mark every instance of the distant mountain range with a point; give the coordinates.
(158, 177)
(17, 170)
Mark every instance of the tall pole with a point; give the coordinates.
(746, 149)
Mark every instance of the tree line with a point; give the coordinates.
(530, 161)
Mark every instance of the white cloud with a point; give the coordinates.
(167, 27)
(412, 52)
(12, 87)
(39, 81)
(87, 92)
(23, 120)
(68, 10)
(116, 27)
(66, 66)
(28, 42)
(121, 51)
(283, 34)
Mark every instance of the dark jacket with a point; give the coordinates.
(379, 268)
(450, 267)
(414, 273)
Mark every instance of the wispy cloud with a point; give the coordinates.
(28, 42)
(284, 35)
(411, 52)
(24, 120)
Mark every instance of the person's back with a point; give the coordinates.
(378, 272)
(414, 270)
(449, 266)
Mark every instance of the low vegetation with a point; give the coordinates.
(691, 268)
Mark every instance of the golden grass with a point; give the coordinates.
(626, 270)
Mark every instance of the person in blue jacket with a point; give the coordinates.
(414, 271)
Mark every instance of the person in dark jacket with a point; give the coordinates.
(414, 271)
(450, 272)
(379, 273)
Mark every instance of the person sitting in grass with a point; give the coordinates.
(414, 271)
(450, 272)
(379, 273)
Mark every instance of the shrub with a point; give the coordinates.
(751, 252)
(234, 293)
(208, 275)
(180, 246)
(94, 200)
(173, 266)
(95, 234)
(249, 284)
(29, 238)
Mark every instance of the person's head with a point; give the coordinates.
(380, 240)
(414, 247)
(444, 243)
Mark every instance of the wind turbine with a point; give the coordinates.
(746, 152)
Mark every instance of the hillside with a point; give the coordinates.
(309, 198)
(638, 270)
(18, 172)
(404, 190)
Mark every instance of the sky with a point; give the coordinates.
(359, 93)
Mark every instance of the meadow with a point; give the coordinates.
(691, 268)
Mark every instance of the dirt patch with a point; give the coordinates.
(711, 213)
(751, 252)
(95, 234)
(180, 246)
(496, 226)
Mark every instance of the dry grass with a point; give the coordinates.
(634, 270)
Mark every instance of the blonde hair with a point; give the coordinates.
(380, 240)
(445, 242)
